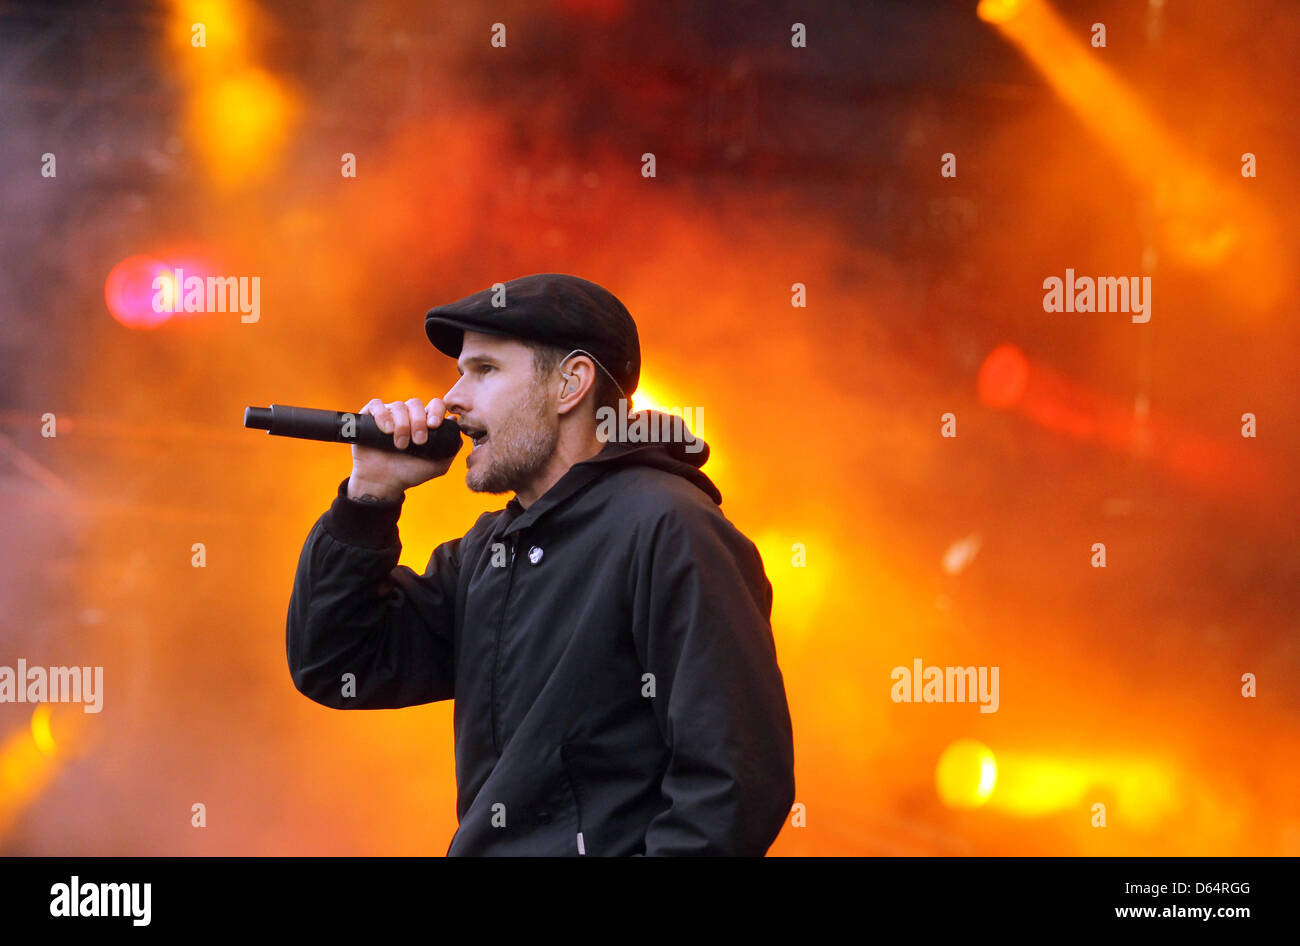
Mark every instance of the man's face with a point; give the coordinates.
(506, 410)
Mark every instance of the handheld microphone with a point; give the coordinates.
(307, 423)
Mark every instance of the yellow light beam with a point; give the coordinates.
(1204, 222)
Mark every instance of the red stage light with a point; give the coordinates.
(1003, 376)
(129, 291)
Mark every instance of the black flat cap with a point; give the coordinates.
(552, 308)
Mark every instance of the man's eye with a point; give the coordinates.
(483, 368)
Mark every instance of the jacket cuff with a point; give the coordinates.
(365, 525)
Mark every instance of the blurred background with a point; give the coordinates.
(775, 165)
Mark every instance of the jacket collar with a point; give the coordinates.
(574, 480)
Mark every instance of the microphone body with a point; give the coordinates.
(307, 423)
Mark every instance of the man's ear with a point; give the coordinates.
(580, 376)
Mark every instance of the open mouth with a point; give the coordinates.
(477, 435)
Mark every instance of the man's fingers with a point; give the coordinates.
(419, 423)
(401, 424)
(408, 421)
(435, 412)
(379, 411)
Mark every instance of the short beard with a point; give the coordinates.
(521, 447)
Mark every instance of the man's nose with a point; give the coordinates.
(454, 401)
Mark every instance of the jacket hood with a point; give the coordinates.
(653, 438)
(661, 441)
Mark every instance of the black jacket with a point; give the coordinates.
(609, 650)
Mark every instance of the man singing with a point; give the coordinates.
(606, 636)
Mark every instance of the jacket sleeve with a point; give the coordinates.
(719, 694)
(355, 611)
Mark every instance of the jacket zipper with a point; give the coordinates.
(496, 650)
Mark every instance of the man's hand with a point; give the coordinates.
(383, 476)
